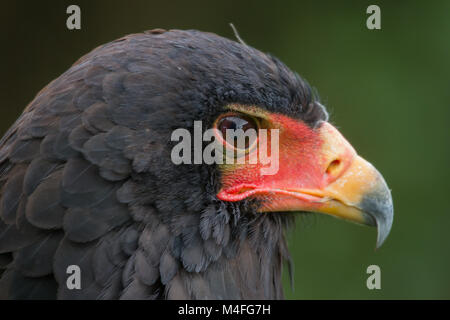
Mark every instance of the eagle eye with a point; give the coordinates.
(238, 130)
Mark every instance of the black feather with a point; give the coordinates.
(36, 260)
(12, 195)
(44, 209)
(37, 171)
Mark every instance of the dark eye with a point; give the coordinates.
(238, 139)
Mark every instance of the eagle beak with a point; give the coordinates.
(360, 195)
(322, 174)
(351, 188)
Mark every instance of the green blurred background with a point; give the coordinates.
(387, 91)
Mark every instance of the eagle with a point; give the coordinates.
(88, 182)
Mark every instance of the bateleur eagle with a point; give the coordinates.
(87, 179)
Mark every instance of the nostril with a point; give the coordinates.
(333, 167)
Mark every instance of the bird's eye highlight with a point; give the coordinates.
(238, 131)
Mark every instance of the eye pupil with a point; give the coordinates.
(234, 122)
(227, 124)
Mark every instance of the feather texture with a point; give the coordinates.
(86, 176)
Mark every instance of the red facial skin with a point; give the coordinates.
(302, 166)
(318, 171)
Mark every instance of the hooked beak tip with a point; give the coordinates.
(380, 211)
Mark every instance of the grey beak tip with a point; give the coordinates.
(384, 225)
(379, 206)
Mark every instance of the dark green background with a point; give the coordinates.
(387, 91)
